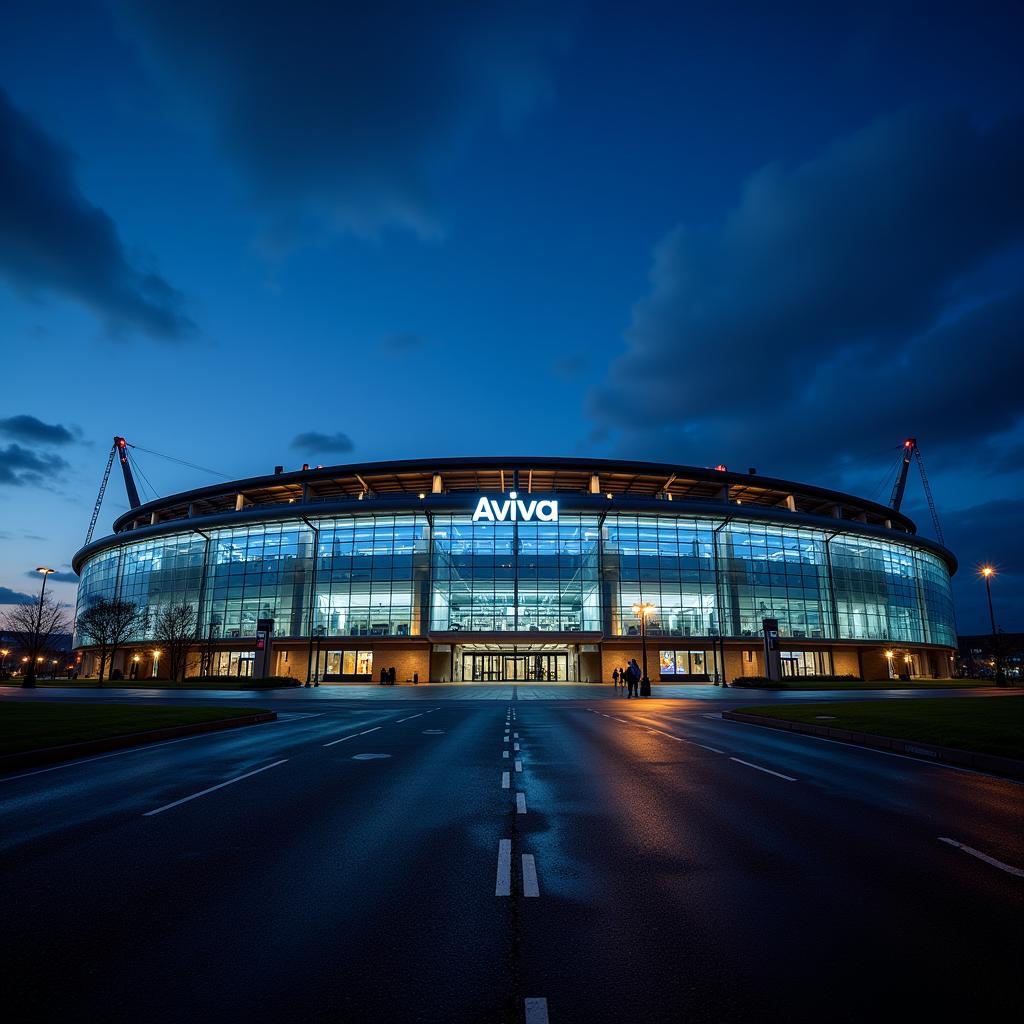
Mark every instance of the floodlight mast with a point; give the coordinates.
(119, 448)
(911, 452)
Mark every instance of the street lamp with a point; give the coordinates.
(30, 674)
(3, 663)
(642, 609)
(889, 655)
(987, 572)
(156, 663)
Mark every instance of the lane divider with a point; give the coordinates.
(1008, 868)
(536, 1010)
(530, 887)
(505, 780)
(503, 882)
(211, 789)
(767, 771)
(520, 803)
(352, 736)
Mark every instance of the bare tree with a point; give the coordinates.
(34, 627)
(174, 629)
(107, 624)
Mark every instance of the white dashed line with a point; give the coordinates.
(352, 736)
(520, 803)
(515, 735)
(530, 887)
(505, 777)
(536, 1010)
(211, 789)
(503, 883)
(519, 766)
(767, 771)
(411, 717)
(1008, 868)
(504, 753)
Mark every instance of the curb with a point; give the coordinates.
(990, 763)
(72, 751)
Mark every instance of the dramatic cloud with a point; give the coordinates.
(8, 596)
(56, 577)
(840, 305)
(53, 240)
(344, 113)
(28, 428)
(20, 466)
(316, 444)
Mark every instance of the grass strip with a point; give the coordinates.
(26, 726)
(984, 725)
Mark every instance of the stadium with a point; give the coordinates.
(527, 570)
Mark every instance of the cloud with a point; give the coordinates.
(28, 428)
(55, 577)
(343, 114)
(316, 443)
(8, 596)
(53, 240)
(20, 466)
(828, 313)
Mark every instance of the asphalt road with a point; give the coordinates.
(350, 862)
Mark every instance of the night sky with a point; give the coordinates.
(248, 234)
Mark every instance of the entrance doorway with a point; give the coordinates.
(520, 666)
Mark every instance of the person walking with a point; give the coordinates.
(629, 681)
(615, 678)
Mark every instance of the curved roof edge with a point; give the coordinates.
(483, 473)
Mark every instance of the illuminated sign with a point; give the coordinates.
(514, 509)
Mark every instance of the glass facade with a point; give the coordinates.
(365, 576)
(530, 577)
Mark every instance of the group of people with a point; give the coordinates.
(628, 678)
(387, 676)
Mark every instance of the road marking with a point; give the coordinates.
(515, 735)
(352, 736)
(536, 1010)
(411, 717)
(1008, 868)
(503, 883)
(504, 753)
(515, 746)
(504, 780)
(211, 789)
(520, 803)
(767, 771)
(622, 720)
(530, 876)
(519, 766)
(703, 746)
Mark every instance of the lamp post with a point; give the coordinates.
(3, 662)
(642, 610)
(987, 572)
(156, 663)
(889, 655)
(30, 672)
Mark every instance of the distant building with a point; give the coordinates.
(55, 661)
(499, 569)
(978, 655)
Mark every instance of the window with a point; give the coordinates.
(806, 663)
(686, 663)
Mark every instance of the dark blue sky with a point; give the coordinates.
(255, 233)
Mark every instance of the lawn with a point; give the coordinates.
(35, 725)
(885, 684)
(193, 683)
(986, 725)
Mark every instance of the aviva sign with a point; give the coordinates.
(514, 509)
